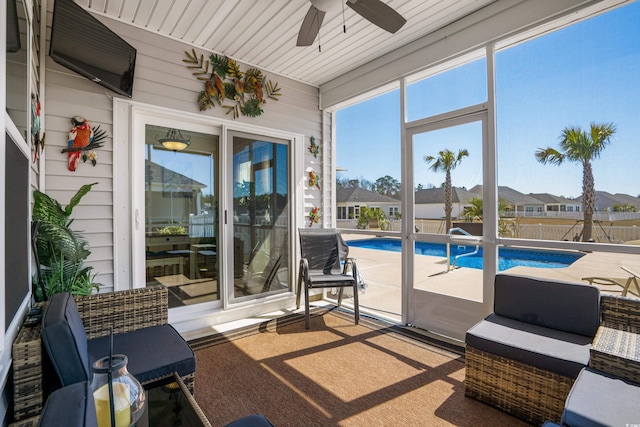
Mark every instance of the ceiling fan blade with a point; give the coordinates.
(378, 13)
(310, 27)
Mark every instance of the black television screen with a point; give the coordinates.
(85, 45)
(16, 226)
(13, 28)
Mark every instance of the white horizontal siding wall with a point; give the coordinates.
(436, 210)
(161, 79)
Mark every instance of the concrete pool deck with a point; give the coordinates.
(382, 273)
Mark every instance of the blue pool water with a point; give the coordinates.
(507, 257)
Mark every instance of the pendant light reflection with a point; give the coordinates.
(174, 140)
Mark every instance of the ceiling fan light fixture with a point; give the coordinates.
(174, 140)
(326, 5)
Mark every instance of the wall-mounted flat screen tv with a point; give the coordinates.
(13, 28)
(85, 45)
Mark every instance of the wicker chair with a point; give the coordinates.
(125, 311)
(602, 393)
(525, 357)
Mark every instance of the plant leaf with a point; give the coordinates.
(77, 197)
(47, 209)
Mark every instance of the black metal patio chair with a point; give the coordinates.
(322, 251)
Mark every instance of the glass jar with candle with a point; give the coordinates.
(128, 393)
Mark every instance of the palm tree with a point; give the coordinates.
(446, 161)
(582, 147)
(474, 208)
(474, 211)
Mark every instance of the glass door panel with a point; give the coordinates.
(18, 70)
(260, 179)
(181, 216)
(446, 242)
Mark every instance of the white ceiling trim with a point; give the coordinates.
(263, 33)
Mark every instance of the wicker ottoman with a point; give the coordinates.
(26, 352)
(601, 399)
(617, 352)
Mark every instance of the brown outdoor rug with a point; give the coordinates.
(335, 374)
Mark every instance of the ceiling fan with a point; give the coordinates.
(375, 11)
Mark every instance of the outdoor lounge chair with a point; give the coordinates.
(624, 283)
(524, 357)
(320, 267)
(76, 332)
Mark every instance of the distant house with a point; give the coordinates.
(605, 202)
(556, 205)
(519, 204)
(429, 202)
(350, 200)
(174, 197)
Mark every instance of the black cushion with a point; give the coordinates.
(255, 420)
(70, 406)
(566, 306)
(549, 349)
(153, 352)
(598, 399)
(65, 340)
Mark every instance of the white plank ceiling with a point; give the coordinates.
(263, 33)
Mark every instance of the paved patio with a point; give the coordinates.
(381, 271)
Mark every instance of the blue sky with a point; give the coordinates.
(589, 72)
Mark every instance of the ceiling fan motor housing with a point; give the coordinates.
(326, 5)
(375, 11)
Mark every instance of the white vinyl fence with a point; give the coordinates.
(601, 234)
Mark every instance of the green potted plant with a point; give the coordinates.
(59, 251)
(372, 218)
(171, 230)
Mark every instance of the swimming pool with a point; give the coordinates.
(507, 257)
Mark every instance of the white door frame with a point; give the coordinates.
(128, 202)
(444, 314)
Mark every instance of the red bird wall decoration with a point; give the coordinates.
(82, 139)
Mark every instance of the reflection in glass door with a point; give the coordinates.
(447, 232)
(181, 215)
(260, 215)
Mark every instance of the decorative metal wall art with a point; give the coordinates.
(224, 81)
(38, 143)
(313, 147)
(83, 139)
(314, 216)
(314, 179)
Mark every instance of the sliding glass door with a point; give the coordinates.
(181, 214)
(210, 216)
(260, 215)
